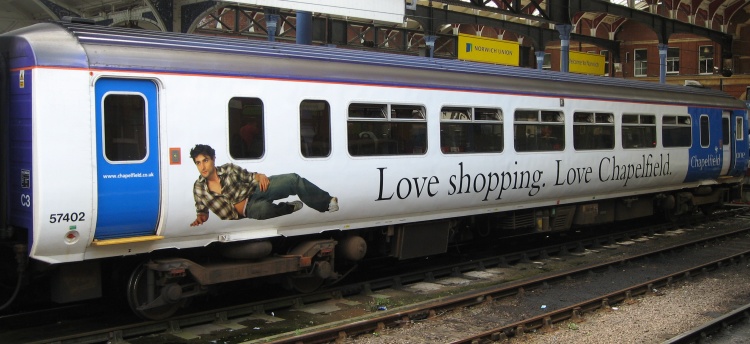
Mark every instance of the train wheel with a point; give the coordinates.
(142, 290)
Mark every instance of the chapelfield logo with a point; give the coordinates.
(468, 47)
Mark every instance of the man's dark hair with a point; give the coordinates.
(202, 149)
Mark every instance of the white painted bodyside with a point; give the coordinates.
(372, 191)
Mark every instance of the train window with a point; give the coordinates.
(705, 132)
(385, 129)
(246, 134)
(539, 130)
(378, 111)
(471, 130)
(725, 135)
(593, 130)
(124, 127)
(676, 131)
(315, 128)
(740, 128)
(638, 131)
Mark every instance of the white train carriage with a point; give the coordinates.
(99, 123)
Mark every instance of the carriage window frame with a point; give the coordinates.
(676, 131)
(537, 130)
(705, 131)
(384, 129)
(642, 125)
(739, 129)
(246, 129)
(468, 130)
(590, 130)
(125, 128)
(315, 128)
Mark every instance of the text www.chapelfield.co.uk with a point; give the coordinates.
(128, 175)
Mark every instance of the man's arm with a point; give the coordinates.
(256, 178)
(201, 209)
(199, 219)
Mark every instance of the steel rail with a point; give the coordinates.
(400, 317)
(602, 302)
(717, 325)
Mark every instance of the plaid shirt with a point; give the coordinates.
(237, 184)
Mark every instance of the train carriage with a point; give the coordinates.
(99, 123)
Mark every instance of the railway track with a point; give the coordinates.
(576, 311)
(737, 318)
(262, 313)
(543, 319)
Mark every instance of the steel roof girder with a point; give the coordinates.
(434, 17)
(664, 27)
(55, 10)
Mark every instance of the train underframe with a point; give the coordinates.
(159, 285)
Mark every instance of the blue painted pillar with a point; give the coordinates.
(304, 27)
(271, 21)
(539, 59)
(429, 40)
(564, 30)
(663, 62)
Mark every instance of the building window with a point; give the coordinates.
(539, 130)
(246, 139)
(676, 131)
(593, 131)
(124, 117)
(640, 62)
(706, 59)
(385, 129)
(315, 128)
(673, 60)
(471, 130)
(638, 131)
(547, 64)
(606, 61)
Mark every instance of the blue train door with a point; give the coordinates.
(127, 158)
(727, 144)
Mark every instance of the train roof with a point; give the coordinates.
(74, 45)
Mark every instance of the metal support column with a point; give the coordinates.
(564, 30)
(304, 27)
(429, 40)
(271, 21)
(663, 48)
(539, 59)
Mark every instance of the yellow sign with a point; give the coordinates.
(482, 49)
(584, 63)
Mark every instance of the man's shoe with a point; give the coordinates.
(296, 205)
(334, 205)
